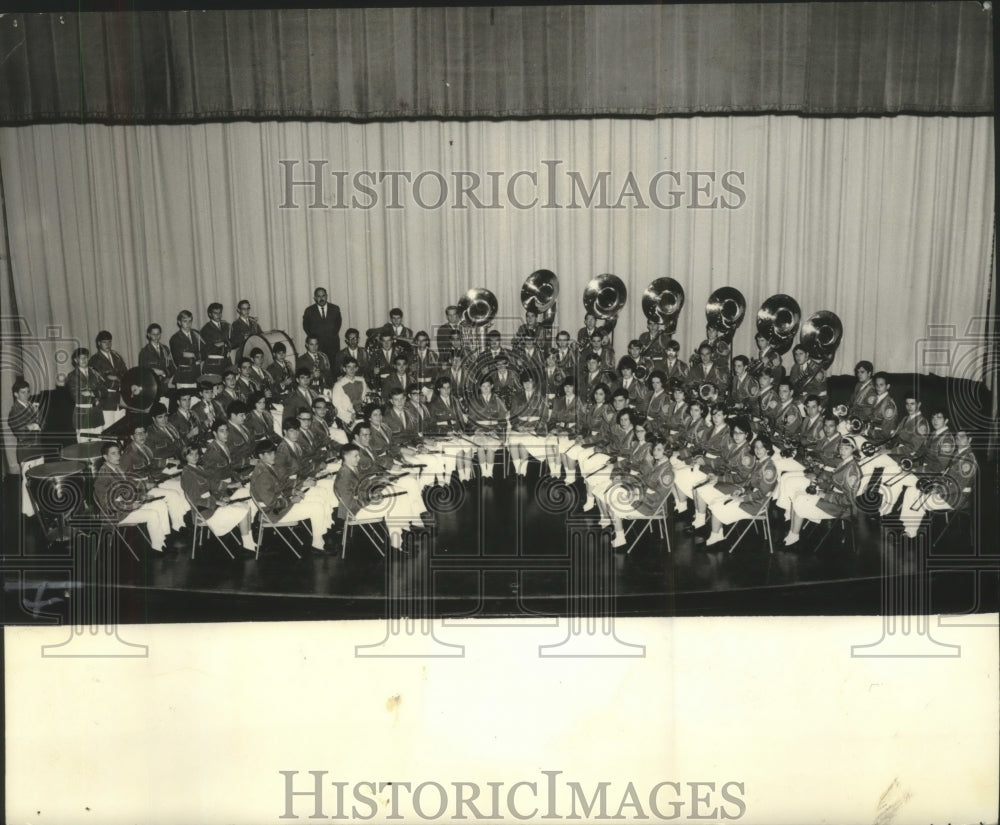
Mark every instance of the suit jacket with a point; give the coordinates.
(444, 415)
(140, 461)
(424, 370)
(911, 435)
(327, 331)
(260, 425)
(240, 444)
(637, 391)
(320, 362)
(296, 402)
(403, 428)
(380, 364)
(394, 382)
(114, 490)
(443, 338)
(282, 378)
(862, 403)
(18, 419)
(218, 462)
(87, 410)
(157, 357)
(112, 369)
(188, 355)
(289, 462)
(184, 424)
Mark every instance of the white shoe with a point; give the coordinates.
(791, 539)
(589, 504)
(604, 522)
(680, 506)
(714, 538)
(699, 520)
(618, 540)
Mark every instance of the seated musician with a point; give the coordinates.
(112, 369)
(400, 378)
(354, 350)
(933, 458)
(279, 500)
(566, 356)
(241, 443)
(506, 384)
(785, 423)
(447, 419)
(749, 499)
(494, 349)
(599, 473)
(766, 402)
(551, 377)
(656, 404)
(457, 351)
(400, 332)
(123, 498)
(314, 458)
(350, 392)
(713, 445)
(354, 500)
(594, 373)
(637, 454)
(440, 463)
(183, 420)
(643, 364)
(155, 356)
(219, 461)
(864, 395)
(401, 423)
(823, 454)
(657, 480)
(811, 431)
(532, 356)
(327, 430)
(187, 350)
(769, 360)
(138, 461)
(588, 449)
(383, 359)
(743, 389)
(653, 342)
(672, 365)
(708, 371)
(567, 414)
(281, 371)
(247, 382)
(293, 466)
(423, 363)
(674, 420)
(528, 437)
(163, 438)
(215, 335)
(635, 389)
(302, 397)
(605, 353)
(884, 415)
(835, 496)
(87, 389)
(229, 392)
(244, 325)
(260, 421)
(381, 456)
(911, 433)
(532, 331)
(726, 473)
(807, 376)
(321, 371)
(948, 489)
(490, 417)
(213, 499)
(208, 408)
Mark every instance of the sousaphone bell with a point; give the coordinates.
(539, 291)
(478, 306)
(662, 302)
(778, 320)
(821, 335)
(604, 297)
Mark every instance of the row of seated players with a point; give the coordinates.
(709, 453)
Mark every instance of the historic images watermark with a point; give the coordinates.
(312, 795)
(310, 183)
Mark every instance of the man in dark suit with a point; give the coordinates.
(322, 320)
(444, 331)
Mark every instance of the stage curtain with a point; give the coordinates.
(497, 62)
(887, 222)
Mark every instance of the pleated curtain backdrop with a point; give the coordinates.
(887, 222)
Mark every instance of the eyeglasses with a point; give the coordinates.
(305, 418)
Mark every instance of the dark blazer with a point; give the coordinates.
(270, 492)
(327, 330)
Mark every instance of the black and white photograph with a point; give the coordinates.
(500, 412)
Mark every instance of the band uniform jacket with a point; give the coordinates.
(239, 331)
(227, 396)
(656, 410)
(883, 420)
(87, 391)
(19, 419)
(481, 409)
(269, 492)
(656, 491)
(401, 333)
(346, 487)
(318, 362)
(840, 489)
(607, 360)
(249, 385)
(506, 386)
(713, 374)
(383, 446)
(675, 419)
(589, 380)
(282, 377)
(636, 390)
(423, 366)
(863, 400)
(289, 462)
(140, 461)
(808, 379)
(112, 368)
(260, 423)
(320, 432)
(311, 456)
(421, 415)
(115, 491)
(201, 489)
(654, 348)
(759, 487)
(157, 357)
(359, 354)
(695, 436)
(567, 413)
(911, 435)
(938, 450)
(772, 364)
(165, 441)
(619, 441)
(733, 465)
(636, 456)
(381, 365)
(529, 410)
(325, 329)
(811, 431)
(743, 390)
(717, 442)
(205, 413)
(240, 444)
(827, 450)
(567, 361)
(443, 338)
(394, 382)
(297, 401)
(722, 350)
(446, 415)
(531, 359)
(551, 380)
(678, 369)
(218, 462)
(962, 470)
(217, 347)
(766, 404)
(597, 424)
(787, 419)
(184, 423)
(188, 354)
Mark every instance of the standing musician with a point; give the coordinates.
(278, 499)
(807, 376)
(318, 363)
(351, 350)
(423, 363)
(243, 326)
(823, 455)
(950, 489)
(727, 473)
(87, 388)
(490, 416)
(282, 372)
(708, 370)
(715, 446)
(566, 357)
(672, 366)
(349, 393)
(655, 478)
(447, 419)
(752, 498)
(656, 403)
(214, 501)
(767, 360)
(188, 351)
(112, 369)
(533, 331)
(529, 413)
(123, 498)
(585, 334)
(635, 389)
(215, 335)
(155, 356)
(25, 424)
(836, 494)
(743, 389)
(444, 333)
(653, 343)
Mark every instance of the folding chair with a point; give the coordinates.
(846, 531)
(199, 525)
(659, 516)
(951, 518)
(760, 517)
(367, 526)
(265, 521)
(119, 531)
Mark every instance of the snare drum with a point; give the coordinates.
(265, 341)
(58, 490)
(87, 453)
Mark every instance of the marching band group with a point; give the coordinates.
(363, 429)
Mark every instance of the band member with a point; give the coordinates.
(445, 332)
(567, 413)
(352, 350)
(655, 406)
(112, 369)
(399, 331)
(593, 436)
(401, 423)
(330, 438)
(505, 383)
(241, 443)
(292, 465)
(303, 396)
(281, 371)
(811, 430)
(672, 366)
(188, 351)
(215, 335)
(349, 393)
(260, 421)
(138, 461)
(585, 334)
(634, 388)
(447, 418)
(823, 455)
(383, 359)
(601, 472)
(767, 360)
(123, 498)
(864, 395)
(490, 416)
(715, 445)
(209, 407)
(593, 374)
(219, 460)
(355, 501)
(278, 499)
(643, 363)
(807, 376)
(24, 422)
(423, 363)
(691, 442)
(244, 325)
(183, 420)
(749, 500)
(318, 363)
(155, 356)
(376, 440)
(653, 343)
(656, 480)
(531, 356)
(322, 320)
(230, 392)
(785, 418)
(566, 357)
(247, 382)
(719, 345)
(707, 370)
(214, 501)
(674, 419)
(835, 497)
(400, 378)
(911, 434)
(743, 389)
(527, 437)
(884, 417)
(766, 403)
(494, 347)
(950, 489)
(605, 354)
(87, 389)
(551, 377)
(727, 473)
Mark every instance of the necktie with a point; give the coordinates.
(322, 312)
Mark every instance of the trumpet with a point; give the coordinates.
(759, 364)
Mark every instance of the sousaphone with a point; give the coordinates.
(539, 294)
(478, 306)
(662, 302)
(821, 335)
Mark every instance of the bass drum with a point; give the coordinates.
(265, 342)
